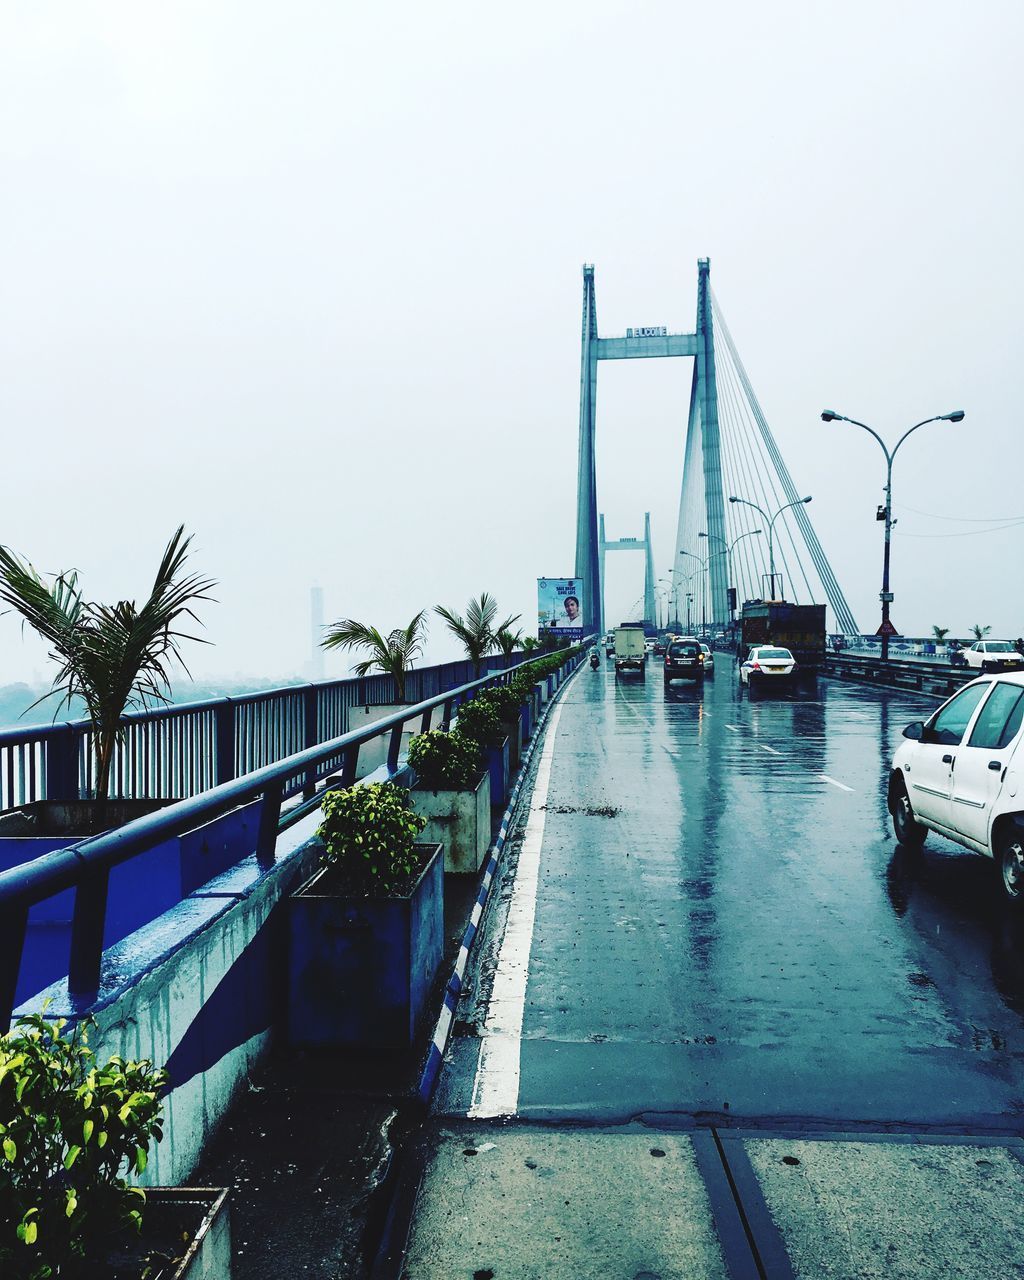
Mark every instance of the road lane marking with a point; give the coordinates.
(733, 728)
(771, 750)
(841, 785)
(496, 1087)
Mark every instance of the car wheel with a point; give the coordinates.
(1011, 866)
(909, 831)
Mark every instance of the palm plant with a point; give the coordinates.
(393, 654)
(940, 633)
(508, 641)
(979, 632)
(476, 632)
(530, 644)
(112, 657)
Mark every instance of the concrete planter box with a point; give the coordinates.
(461, 821)
(141, 889)
(360, 970)
(514, 729)
(373, 754)
(498, 769)
(208, 1256)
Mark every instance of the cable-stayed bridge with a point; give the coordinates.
(743, 525)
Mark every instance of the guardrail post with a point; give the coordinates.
(270, 817)
(224, 740)
(309, 736)
(61, 756)
(394, 746)
(12, 942)
(87, 925)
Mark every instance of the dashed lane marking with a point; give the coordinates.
(771, 750)
(841, 785)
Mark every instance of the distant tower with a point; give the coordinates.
(316, 622)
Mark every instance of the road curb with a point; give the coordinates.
(453, 991)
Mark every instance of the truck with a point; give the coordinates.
(630, 649)
(800, 628)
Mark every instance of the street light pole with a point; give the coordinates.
(771, 529)
(886, 597)
(728, 562)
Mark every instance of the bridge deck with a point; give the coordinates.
(722, 933)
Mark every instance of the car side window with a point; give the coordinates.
(990, 728)
(950, 724)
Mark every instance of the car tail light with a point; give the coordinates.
(700, 657)
(755, 666)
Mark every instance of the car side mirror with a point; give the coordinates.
(914, 731)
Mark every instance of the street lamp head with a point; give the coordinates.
(734, 499)
(956, 416)
(829, 415)
(702, 535)
(807, 499)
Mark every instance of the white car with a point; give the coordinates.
(767, 662)
(961, 773)
(709, 660)
(993, 655)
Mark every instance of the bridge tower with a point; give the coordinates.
(643, 544)
(588, 551)
(714, 543)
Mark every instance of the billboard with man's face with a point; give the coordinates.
(560, 607)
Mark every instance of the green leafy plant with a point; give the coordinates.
(445, 761)
(481, 721)
(940, 633)
(506, 700)
(979, 632)
(508, 641)
(530, 644)
(111, 656)
(393, 654)
(72, 1131)
(477, 631)
(369, 837)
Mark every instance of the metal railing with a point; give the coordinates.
(181, 750)
(85, 867)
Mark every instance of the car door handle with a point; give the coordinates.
(995, 765)
(947, 759)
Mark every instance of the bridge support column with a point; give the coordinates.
(588, 554)
(707, 396)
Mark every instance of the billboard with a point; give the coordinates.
(560, 607)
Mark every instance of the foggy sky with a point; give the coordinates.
(306, 277)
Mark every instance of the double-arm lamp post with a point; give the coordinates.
(771, 530)
(829, 415)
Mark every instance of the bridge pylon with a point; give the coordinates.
(643, 544)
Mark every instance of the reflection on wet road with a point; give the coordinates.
(724, 923)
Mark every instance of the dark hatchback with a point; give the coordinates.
(684, 660)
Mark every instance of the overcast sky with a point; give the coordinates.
(306, 277)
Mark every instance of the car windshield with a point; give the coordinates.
(683, 650)
(775, 653)
(999, 646)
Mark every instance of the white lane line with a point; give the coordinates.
(496, 1087)
(771, 750)
(733, 728)
(841, 785)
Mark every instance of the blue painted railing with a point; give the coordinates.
(86, 866)
(181, 750)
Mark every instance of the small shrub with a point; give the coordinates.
(71, 1133)
(369, 836)
(445, 761)
(480, 721)
(506, 701)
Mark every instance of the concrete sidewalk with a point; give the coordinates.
(508, 1201)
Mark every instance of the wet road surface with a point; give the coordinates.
(724, 926)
